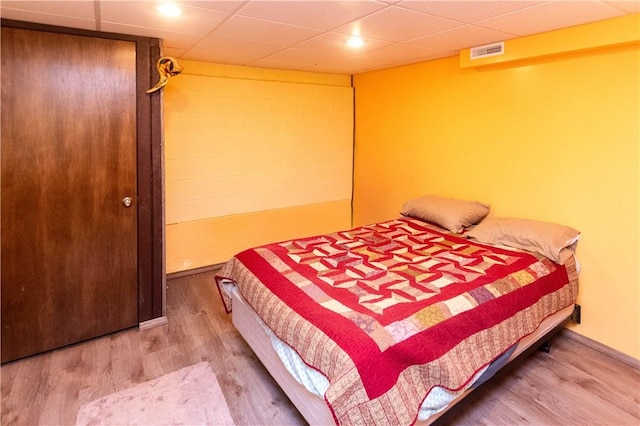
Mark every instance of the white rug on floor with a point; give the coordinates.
(190, 396)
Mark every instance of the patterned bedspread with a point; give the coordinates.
(387, 311)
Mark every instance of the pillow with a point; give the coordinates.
(557, 242)
(447, 213)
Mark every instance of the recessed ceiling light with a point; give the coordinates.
(355, 41)
(169, 9)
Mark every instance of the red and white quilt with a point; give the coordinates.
(387, 311)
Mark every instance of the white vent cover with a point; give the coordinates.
(493, 49)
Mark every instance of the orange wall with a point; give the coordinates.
(253, 156)
(552, 138)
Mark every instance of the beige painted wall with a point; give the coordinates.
(252, 156)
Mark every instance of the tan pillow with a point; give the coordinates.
(557, 242)
(447, 213)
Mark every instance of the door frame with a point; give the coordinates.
(150, 165)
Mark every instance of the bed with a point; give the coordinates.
(395, 322)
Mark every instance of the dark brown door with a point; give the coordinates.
(69, 245)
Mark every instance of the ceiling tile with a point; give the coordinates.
(220, 5)
(143, 14)
(316, 59)
(628, 6)
(170, 39)
(311, 34)
(74, 9)
(336, 43)
(327, 48)
(63, 21)
(462, 37)
(241, 52)
(322, 15)
(397, 24)
(74, 14)
(550, 16)
(364, 63)
(467, 11)
(242, 28)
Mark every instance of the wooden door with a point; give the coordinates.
(69, 246)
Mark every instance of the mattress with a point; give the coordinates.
(305, 396)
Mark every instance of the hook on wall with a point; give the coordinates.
(167, 67)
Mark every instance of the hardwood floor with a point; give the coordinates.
(572, 385)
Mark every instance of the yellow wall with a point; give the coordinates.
(253, 156)
(552, 138)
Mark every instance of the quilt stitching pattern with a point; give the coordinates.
(392, 263)
(399, 262)
(440, 339)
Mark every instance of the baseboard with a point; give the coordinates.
(195, 271)
(156, 322)
(590, 343)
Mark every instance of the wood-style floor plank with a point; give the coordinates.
(573, 384)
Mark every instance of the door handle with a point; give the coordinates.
(127, 201)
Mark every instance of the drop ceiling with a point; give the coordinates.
(311, 35)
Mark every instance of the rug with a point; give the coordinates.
(190, 396)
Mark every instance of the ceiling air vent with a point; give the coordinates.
(493, 49)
